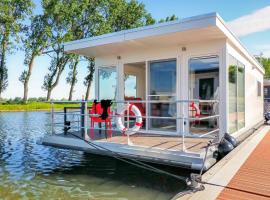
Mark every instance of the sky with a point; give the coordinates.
(248, 19)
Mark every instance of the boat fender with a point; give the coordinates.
(224, 148)
(138, 116)
(267, 117)
(231, 139)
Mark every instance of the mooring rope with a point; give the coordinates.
(133, 161)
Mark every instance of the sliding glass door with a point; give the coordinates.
(162, 87)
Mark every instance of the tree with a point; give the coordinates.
(266, 65)
(74, 20)
(72, 75)
(57, 66)
(119, 15)
(12, 13)
(58, 18)
(169, 18)
(89, 78)
(35, 42)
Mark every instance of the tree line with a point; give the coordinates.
(62, 21)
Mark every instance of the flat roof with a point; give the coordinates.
(179, 32)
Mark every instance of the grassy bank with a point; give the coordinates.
(34, 106)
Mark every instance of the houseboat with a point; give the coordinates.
(163, 92)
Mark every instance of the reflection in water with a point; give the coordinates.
(31, 171)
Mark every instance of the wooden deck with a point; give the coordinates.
(252, 181)
(161, 142)
(153, 148)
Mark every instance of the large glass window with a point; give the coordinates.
(236, 95)
(203, 85)
(162, 86)
(107, 82)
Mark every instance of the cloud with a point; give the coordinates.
(255, 22)
(263, 48)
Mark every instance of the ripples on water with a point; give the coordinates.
(31, 171)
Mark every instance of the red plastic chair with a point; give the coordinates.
(97, 109)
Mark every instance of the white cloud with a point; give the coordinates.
(255, 22)
(263, 48)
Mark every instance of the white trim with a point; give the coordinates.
(223, 92)
(146, 31)
(196, 22)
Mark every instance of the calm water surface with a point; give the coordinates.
(32, 171)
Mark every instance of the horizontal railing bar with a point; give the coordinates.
(145, 117)
(209, 133)
(193, 135)
(145, 101)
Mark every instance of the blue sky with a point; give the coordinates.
(249, 19)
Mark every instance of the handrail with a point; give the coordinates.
(84, 114)
(141, 101)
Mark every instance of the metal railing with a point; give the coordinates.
(182, 117)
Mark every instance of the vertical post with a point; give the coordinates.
(83, 118)
(129, 142)
(183, 127)
(52, 117)
(86, 137)
(65, 120)
(223, 93)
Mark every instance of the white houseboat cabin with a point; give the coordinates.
(174, 86)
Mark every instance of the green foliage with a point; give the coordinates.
(73, 20)
(232, 73)
(169, 18)
(33, 105)
(72, 75)
(35, 41)
(266, 65)
(12, 14)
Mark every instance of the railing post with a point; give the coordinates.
(83, 119)
(65, 120)
(128, 140)
(86, 137)
(183, 126)
(52, 117)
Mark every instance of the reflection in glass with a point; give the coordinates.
(163, 77)
(107, 82)
(236, 95)
(232, 94)
(241, 95)
(162, 87)
(204, 85)
(130, 86)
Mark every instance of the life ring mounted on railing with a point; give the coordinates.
(137, 114)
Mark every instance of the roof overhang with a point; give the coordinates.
(176, 33)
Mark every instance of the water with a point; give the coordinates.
(32, 171)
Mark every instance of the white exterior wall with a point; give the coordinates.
(202, 49)
(253, 102)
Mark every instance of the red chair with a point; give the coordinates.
(98, 110)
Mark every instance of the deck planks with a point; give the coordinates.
(161, 142)
(252, 181)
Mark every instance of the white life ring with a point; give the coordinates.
(138, 123)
